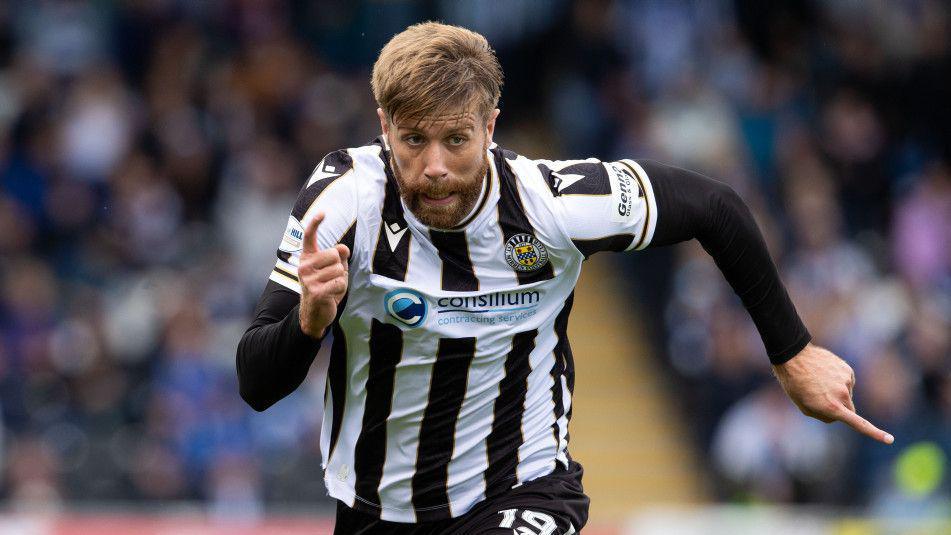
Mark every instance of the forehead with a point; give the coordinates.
(451, 121)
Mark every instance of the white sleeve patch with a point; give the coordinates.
(624, 191)
(293, 239)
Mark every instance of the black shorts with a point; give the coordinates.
(550, 505)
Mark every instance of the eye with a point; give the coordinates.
(456, 140)
(413, 139)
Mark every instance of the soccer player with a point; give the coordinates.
(444, 265)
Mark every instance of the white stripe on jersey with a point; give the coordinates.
(537, 453)
(562, 455)
(466, 485)
(412, 383)
(338, 474)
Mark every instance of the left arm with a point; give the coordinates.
(628, 205)
(690, 205)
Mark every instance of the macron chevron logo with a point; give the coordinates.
(563, 181)
(322, 172)
(394, 234)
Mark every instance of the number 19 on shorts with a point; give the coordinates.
(530, 523)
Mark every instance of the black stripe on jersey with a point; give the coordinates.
(337, 384)
(594, 179)
(512, 218)
(386, 348)
(562, 362)
(349, 237)
(332, 167)
(437, 432)
(506, 436)
(457, 272)
(387, 261)
(616, 242)
(562, 331)
(336, 387)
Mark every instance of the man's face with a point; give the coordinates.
(440, 163)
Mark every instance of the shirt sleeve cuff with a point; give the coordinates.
(783, 356)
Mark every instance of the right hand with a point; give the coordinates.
(323, 281)
(820, 384)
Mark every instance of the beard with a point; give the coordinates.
(466, 189)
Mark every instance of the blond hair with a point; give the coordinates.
(431, 69)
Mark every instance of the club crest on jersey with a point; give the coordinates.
(406, 306)
(525, 253)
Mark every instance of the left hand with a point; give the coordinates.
(820, 384)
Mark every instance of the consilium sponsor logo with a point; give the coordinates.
(406, 306)
(494, 302)
(410, 308)
(488, 309)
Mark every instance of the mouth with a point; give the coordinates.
(438, 200)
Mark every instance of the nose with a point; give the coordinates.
(435, 161)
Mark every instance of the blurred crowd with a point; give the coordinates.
(831, 121)
(138, 139)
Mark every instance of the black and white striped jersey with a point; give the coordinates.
(451, 374)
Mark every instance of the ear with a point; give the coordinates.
(490, 126)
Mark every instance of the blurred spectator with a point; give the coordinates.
(97, 103)
(258, 185)
(922, 230)
(31, 479)
(754, 450)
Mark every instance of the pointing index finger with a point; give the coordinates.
(865, 427)
(310, 234)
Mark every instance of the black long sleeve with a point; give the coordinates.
(690, 205)
(274, 354)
